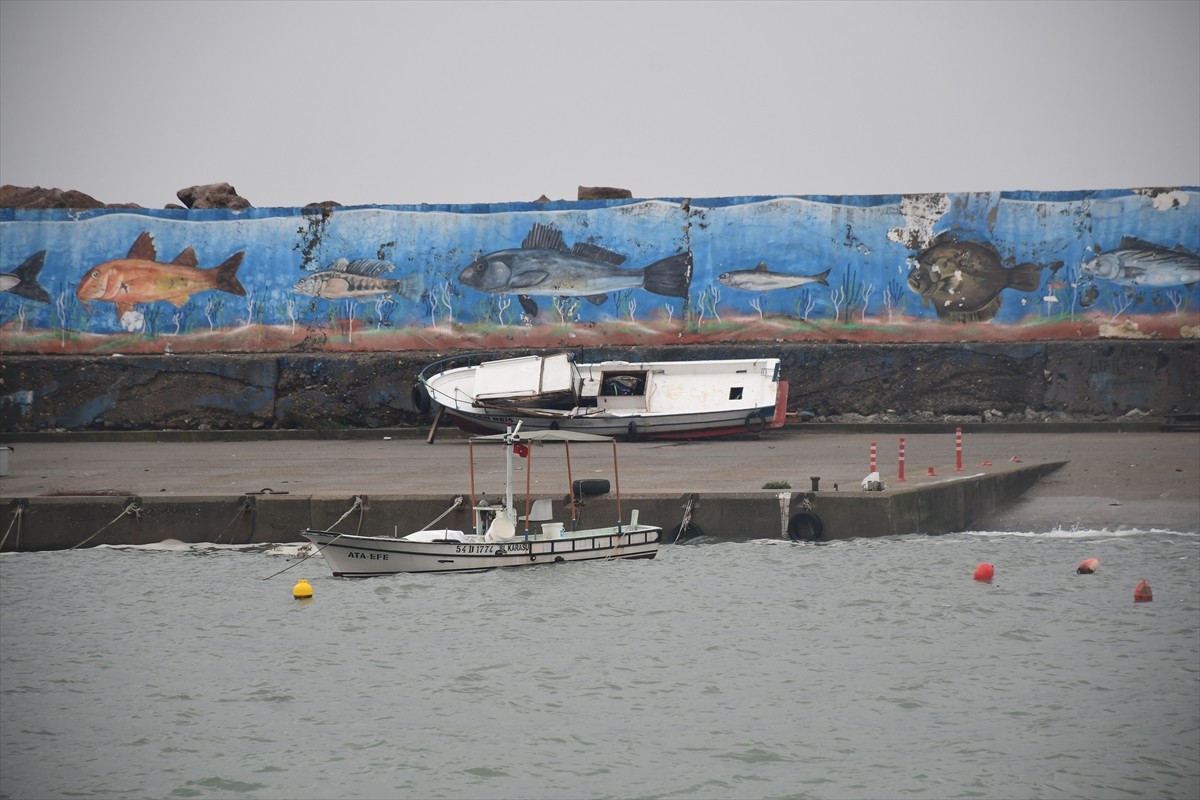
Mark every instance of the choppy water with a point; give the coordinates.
(870, 668)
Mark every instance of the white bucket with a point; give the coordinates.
(552, 530)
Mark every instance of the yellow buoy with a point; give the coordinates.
(302, 590)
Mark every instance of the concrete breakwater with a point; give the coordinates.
(943, 506)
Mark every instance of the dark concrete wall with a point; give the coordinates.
(58, 523)
(1104, 380)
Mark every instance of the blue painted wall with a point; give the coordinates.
(1001, 265)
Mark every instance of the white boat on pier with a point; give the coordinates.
(634, 400)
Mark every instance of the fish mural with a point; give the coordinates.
(544, 265)
(141, 278)
(762, 279)
(23, 282)
(1138, 263)
(359, 278)
(659, 271)
(961, 280)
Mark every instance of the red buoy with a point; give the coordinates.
(984, 572)
(1142, 593)
(1088, 566)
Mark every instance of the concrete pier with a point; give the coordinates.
(61, 493)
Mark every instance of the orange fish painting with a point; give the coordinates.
(141, 278)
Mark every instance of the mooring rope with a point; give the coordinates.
(241, 510)
(132, 508)
(687, 520)
(357, 504)
(16, 520)
(306, 558)
(617, 546)
(457, 502)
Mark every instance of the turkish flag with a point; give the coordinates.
(521, 449)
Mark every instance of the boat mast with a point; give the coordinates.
(512, 435)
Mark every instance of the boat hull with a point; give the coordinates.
(631, 426)
(351, 556)
(644, 400)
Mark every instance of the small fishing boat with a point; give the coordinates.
(502, 536)
(634, 400)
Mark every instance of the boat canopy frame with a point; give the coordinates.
(514, 439)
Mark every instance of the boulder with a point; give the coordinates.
(213, 195)
(37, 197)
(603, 193)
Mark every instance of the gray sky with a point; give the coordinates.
(397, 103)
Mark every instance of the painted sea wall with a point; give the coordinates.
(968, 267)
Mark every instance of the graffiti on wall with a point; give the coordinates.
(936, 267)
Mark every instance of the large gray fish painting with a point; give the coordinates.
(1139, 263)
(761, 279)
(544, 265)
(359, 278)
(961, 280)
(23, 281)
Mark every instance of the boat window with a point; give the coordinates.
(626, 384)
(735, 393)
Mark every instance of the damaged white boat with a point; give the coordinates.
(635, 400)
(502, 534)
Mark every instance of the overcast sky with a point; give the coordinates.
(443, 102)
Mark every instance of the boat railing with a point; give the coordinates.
(472, 359)
(475, 358)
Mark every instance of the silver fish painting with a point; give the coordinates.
(544, 265)
(23, 281)
(1138, 263)
(761, 279)
(359, 278)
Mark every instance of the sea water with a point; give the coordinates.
(870, 668)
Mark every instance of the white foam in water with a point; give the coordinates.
(173, 545)
(1089, 533)
(176, 546)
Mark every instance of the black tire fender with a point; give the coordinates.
(633, 431)
(590, 487)
(420, 398)
(681, 533)
(805, 526)
(756, 422)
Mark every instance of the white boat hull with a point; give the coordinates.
(352, 556)
(662, 400)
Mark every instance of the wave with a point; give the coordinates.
(177, 546)
(1085, 533)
